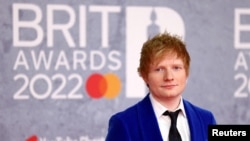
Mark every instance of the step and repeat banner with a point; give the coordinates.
(67, 66)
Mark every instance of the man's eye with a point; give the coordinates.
(159, 69)
(177, 68)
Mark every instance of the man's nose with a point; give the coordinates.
(168, 75)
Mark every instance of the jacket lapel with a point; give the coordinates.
(194, 123)
(147, 121)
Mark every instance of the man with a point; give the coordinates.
(164, 67)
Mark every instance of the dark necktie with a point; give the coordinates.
(174, 135)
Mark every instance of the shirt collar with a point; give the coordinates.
(159, 109)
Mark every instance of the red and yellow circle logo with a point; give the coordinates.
(108, 85)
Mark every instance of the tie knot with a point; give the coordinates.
(173, 115)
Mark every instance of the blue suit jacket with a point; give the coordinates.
(138, 123)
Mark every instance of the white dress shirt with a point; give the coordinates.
(164, 122)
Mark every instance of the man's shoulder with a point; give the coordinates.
(190, 106)
(133, 110)
(195, 112)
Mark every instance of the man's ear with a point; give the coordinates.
(146, 81)
(144, 78)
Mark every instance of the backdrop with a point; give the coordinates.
(67, 66)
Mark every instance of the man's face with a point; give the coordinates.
(167, 78)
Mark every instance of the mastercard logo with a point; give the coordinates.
(107, 85)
